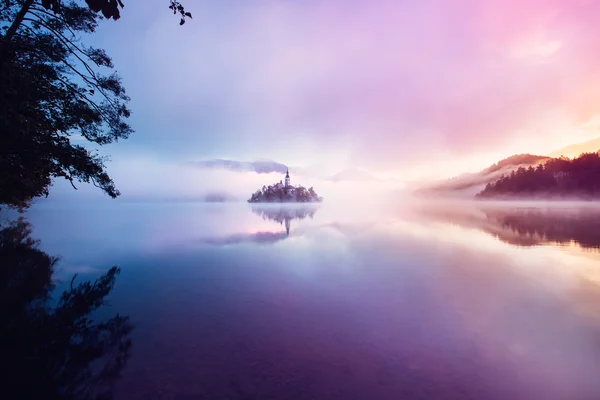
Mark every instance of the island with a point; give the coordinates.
(285, 193)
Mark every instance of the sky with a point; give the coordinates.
(411, 89)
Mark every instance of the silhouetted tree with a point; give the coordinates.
(110, 9)
(58, 351)
(53, 87)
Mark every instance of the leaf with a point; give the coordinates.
(182, 21)
(188, 14)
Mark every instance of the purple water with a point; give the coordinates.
(398, 303)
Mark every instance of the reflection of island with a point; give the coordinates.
(529, 226)
(282, 215)
(285, 215)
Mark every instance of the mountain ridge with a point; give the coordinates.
(471, 183)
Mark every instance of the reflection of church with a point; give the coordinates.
(288, 222)
(285, 215)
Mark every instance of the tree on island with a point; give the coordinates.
(558, 177)
(278, 193)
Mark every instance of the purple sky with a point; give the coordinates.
(413, 89)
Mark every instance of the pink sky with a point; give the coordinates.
(414, 89)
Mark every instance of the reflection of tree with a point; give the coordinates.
(558, 226)
(54, 351)
(285, 214)
(527, 226)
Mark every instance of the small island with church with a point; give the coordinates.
(285, 193)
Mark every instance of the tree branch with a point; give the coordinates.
(72, 184)
(56, 16)
(17, 22)
(66, 42)
(87, 79)
(74, 276)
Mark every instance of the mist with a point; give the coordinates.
(145, 179)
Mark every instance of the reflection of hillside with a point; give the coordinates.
(528, 226)
(557, 226)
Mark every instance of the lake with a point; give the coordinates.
(446, 301)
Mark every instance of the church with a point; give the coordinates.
(287, 184)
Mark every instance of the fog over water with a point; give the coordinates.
(419, 300)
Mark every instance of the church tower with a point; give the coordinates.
(287, 178)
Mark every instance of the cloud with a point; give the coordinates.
(381, 85)
(257, 237)
(535, 49)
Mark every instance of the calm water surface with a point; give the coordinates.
(445, 302)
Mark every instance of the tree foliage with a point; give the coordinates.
(558, 177)
(53, 88)
(532, 226)
(54, 349)
(56, 94)
(110, 9)
(278, 193)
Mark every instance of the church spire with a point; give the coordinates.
(287, 177)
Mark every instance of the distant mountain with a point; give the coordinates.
(516, 160)
(472, 183)
(361, 175)
(260, 166)
(353, 174)
(591, 146)
(218, 197)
